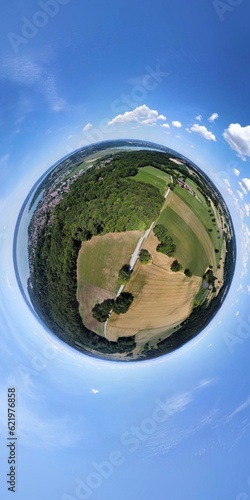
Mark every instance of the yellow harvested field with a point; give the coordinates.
(161, 298)
(189, 217)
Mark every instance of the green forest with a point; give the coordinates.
(102, 200)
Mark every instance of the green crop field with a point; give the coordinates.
(154, 176)
(201, 210)
(189, 250)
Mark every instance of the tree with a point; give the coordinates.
(188, 273)
(166, 244)
(123, 303)
(176, 266)
(144, 256)
(216, 250)
(124, 274)
(101, 311)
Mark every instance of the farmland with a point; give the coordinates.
(201, 210)
(161, 298)
(153, 176)
(194, 247)
(98, 265)
(123, 260)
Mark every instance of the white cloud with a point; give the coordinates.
(94, 391)
(236, 172)
(87, 127)
(226, 181)
(213, 117)
(240, 194)
(247, 209)
(203, 131)
(246, 183)
(243, 188)
(165, 125)
(176, 124)
(238, 138)
(161, 117)
(240, 408)
(199, 118)
(142, 114)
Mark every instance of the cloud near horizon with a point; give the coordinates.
(203, 131)
(142, 115)
(238, 138)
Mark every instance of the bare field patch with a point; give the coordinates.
(98, 265)
(101, 258)
(159, 259)
(161, 298)
(88, 295)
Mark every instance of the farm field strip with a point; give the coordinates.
(194, 223)
(189, 250)
(153, 176)
(201, 210)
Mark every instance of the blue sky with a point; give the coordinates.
(175, 73)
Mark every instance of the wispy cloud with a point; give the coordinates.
(29, 74)
(243, 406)
(87, 127)
(4, 158)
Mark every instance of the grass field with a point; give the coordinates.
(189, 250)
(154, 176)
(194, 247)
(98, 265)
(201, 210)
